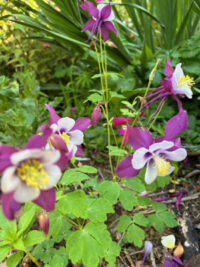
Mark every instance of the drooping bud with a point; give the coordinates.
(44, 222)
(96, 115)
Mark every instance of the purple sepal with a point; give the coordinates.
(173, 261)
(39, 141)
(47, 199)
(92, 10)
(9, 205)
(168, 69)
(58, 143)
(81, 124)
(125, 168)
(64, 159)
(138, 138)
(176, 125)
(88, 25)
(105, 12)
(177, 260)
(53, 116)
(5, 153)
(79, 151)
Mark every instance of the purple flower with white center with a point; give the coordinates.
(102, 17)
(154, 154)
(29, 174)
(148, 248)
(67, 133)
(175, 83)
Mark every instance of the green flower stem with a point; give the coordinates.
(68, 219)
(32, 258)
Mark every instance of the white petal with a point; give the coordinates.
(162, 146)
(176, 155)
(101, 6)
(151, 172)
(25, 193)
(66, 123)
(168, 241)
(184, 91)
(17, 157)
(9, 180)
(54, 173)
(76, 137)
(139, 160)
(49, 156)
(54, 127)
(178, 72)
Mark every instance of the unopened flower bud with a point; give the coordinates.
(96, 114)
(44, 222)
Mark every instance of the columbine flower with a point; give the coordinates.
(96, 115)
(102, 15)
(175, 83)
(168, 241)
(155, 154)
(67, 133)
(29, 174)
(148, 248)
(44, 222)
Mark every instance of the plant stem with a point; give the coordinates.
(32, 258)
(68, 219)
(155, 118)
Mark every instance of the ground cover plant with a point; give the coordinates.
(55, 209)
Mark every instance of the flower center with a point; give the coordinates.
(31, 171)
(161, 165)
(65, 137)
(185, 81)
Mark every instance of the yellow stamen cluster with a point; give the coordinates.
(65, 137)
(185, 81)
(31, 171)
(162, 166)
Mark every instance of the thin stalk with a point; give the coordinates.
(68, 219)
(155, 118)
(32, 258)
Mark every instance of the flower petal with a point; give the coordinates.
(168, 69)
(9, 180)
(105, 11)
(125, 168)
(176, 155)
(53, 116)
(139, 159)
(24, 154)
(108, 26)
(5, 153)
(81, 124)
(93, 11)
(54, 174)
(24, 193)
(76, 138)
(66, 123)
(161, 146)
(64, 159)
(47, 199)
(168, 241)
(138, 138)
(9, 206)
(79, 151)
(151, 172)
(88, 25)
(39, 141)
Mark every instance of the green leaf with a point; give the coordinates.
(140, 219)
(135, 184)
(98, 209)
(74, 203)
(87, 169)
(135, 235)
(4, 251)
(158, 207)
(123, 223)
(156, 222)
(109, 190)
(34, 237)
(9, 226)
(143, 201)
(14, 259)
(112, 252)
(55, 223)
(128, 199)
(19, 244)
(57, 261)
(26, 220)
(115, 151)
(73, 176)
(168, 218)
(94, 98)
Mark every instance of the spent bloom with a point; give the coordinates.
(101, 20)
(67, 133)
(157, 154)
(173, 261)
(29, 174)
(148, 248)
(168, 241)
(96, 115)
(175, 83)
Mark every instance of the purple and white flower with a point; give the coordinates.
(154, 154)
(102, 17)
(67, 133)
(148, 246)
(29, 174)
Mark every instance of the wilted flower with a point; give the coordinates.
(155, 154)
(175, 83)
(44, 222)
(173, 261)
(179, 197)
(168, 241)
(67, 133)
(102, 15)
(29, 174)
(148, 248)
(96, 115)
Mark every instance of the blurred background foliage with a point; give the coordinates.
(45, 57)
